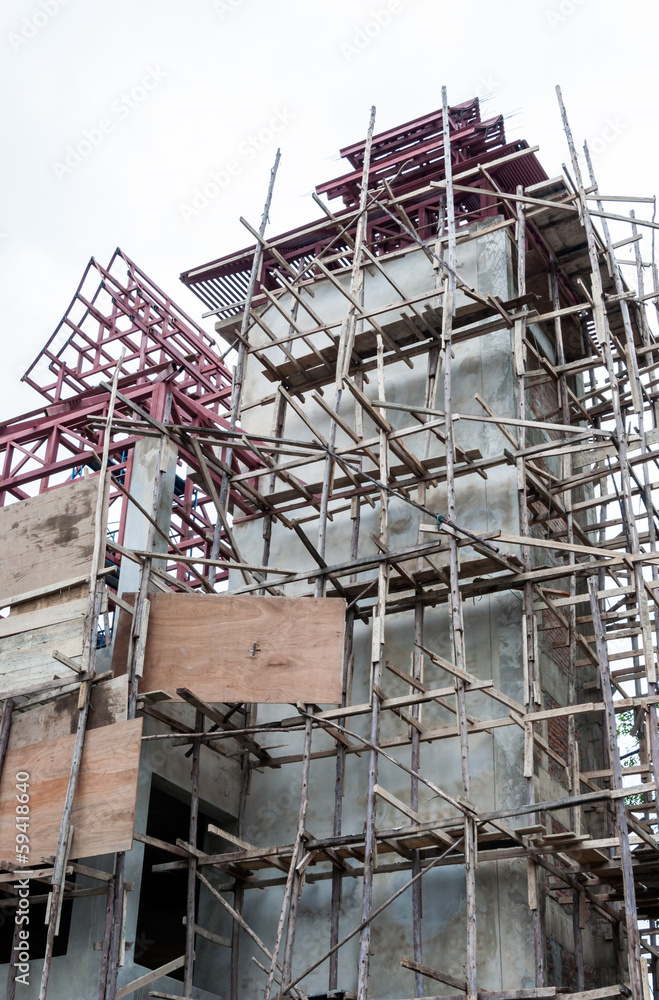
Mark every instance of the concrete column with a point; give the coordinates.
(142, 485)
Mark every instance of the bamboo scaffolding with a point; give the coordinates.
(532, 580)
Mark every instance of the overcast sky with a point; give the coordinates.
(171, 92)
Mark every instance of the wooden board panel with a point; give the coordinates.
(26, 658)
(79, 592)
(58, 717)
(104, 807)
(38, 618)
(47, 539)
(205, 643)
(28, 639)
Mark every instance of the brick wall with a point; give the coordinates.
(557, 740)
(561, 968)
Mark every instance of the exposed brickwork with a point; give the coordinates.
(557, 734)
(555, 633)
(561, 968)
(542, 399)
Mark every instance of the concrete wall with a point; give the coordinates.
(494, 649)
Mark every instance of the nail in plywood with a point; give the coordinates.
(242, 649)
(104, 806)
(58, 717)
(47, 539)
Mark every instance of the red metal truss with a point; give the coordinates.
(170, 361)
(408, 158)
(409, 154)
(120, 307)
(420, 130)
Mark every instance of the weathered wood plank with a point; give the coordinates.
(47, 539)
(27, 658)
(150, 977)
(43, 617)
(29, 639)
(241, 649)
(53, 593)
(104, 805)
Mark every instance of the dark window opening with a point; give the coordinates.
(37, 928)
(163, 895)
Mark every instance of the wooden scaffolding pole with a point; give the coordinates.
(243, 348)
(532, 692)
(347, 339)
(572, 744)
(631, 918)
(86, 667)
(377, 664)
(191, 916)
(456, 616)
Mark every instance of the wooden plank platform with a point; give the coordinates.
(409, 335)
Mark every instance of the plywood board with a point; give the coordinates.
(58, 717)
(47, 539)
(242, 649)
(104, 807)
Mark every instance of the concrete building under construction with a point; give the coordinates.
(329, 648)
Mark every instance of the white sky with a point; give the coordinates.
(223, 69)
